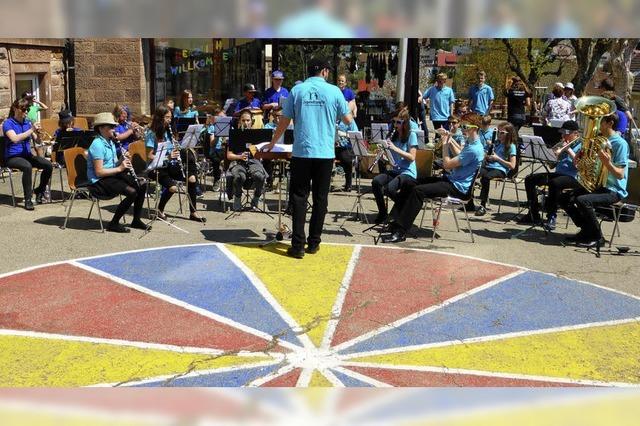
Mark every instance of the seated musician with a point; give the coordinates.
(243, 167)
(126, 130)
(344, 151)
(462, 168)
(214, 146)
(19, 134)
(580, 204)
(250, 99)
(276, 113)
(563, 177)
(186, 109)
(110, 178)
(500, 159)
(486, 132)
(167, 177)
(403, 176)
(66, 123)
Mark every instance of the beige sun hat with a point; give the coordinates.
(104, 118)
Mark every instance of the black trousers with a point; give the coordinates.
(555, 182)
(580, 206)
(434, 187)
(26, 165)
(309, 174)
(170, 176)
(517, 121)
(397, 187)
(121, 184)
(216, 159)
(345, 159)
(485, 180)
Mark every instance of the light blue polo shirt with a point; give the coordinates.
(470, 160)
(619, 158)
(499, 150)
(190, 113)
(404, 166)
(413, 125)
(565, 165)
(315, 106)
(344, 142)
(270, 125)
(101, 149)
(485, 137)
(480, 98)
(151, 141)
(440, 102)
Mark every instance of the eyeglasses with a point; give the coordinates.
(24, 109)
(468, 126)
(398, 121)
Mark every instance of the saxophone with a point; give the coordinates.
(592, 174)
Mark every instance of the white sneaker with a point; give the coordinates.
(255, 203)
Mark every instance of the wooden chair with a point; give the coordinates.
(76, 165)
(424, 163)
(81, 123)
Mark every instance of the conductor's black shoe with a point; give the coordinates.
(529, 219)
(28, 205)
(380, 218)
(396, 237)
(116, 227)
(592, 243)
(312, 249)
(138, 224)
(298, 254)
(579, 237)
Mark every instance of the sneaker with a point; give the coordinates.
(595, 242)
(255, 203)
(298, 254)
(225, 198)
(550, 224)
(199, 193)
(480, 211)
(28, 205)
(216, 186)
(237, 203)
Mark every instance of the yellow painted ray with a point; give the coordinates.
(609, 354)
(28, 361)
(307, 288)
(618, 409)
(318, 380)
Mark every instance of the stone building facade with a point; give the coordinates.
(40, 60)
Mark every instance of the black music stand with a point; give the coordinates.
(550, 135)
(359, 150)
(71, 139)
(240, 141)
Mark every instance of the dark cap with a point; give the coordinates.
(277, 74)
(570, 125)
(317, 64)
(249, 88)
(65, 114)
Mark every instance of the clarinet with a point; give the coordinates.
(178, 160)
(130, 170)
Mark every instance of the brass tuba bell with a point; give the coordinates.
(592, 174)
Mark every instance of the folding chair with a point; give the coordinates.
(512, 178)
(454, 203)
(6, 171)
(76, 164)
(623, 209)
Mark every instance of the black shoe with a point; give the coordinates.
(579, 237)
(28, 205)
(591, 243)
(347, 188)
(118, 228)
(138, 224)
(298, 254)
(480, 211)
(195, 218)
(529, 219)
(312, 249)
(39, 197)
(380, 218)
(396, 237)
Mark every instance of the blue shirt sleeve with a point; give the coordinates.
(452, 96)
(513, 150)
(96, 150)
(491, 96)
(620, 154)
(287, 108)
(413, 140)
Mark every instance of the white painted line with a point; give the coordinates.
(184, 305)
(264, 292)
(139, 345)
(362, 378)
(193, 374)
(266, 379)
(82, 259)
(331, 378)
(305, 378)
(342, 294)
(446, 370)
(489, 338)
(430, 309)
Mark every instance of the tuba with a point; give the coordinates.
(592, 174)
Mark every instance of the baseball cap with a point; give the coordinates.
(249, 88)
(277, 74)
(317, 64)
(570, 125)
(569, 86)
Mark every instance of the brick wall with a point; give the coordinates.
(109, 71)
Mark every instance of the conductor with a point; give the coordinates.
(315, 106)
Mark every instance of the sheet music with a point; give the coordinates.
(357, 143)
(190, 138)
(221, 126)
(161, 155)
(276, 148)
(379, 131)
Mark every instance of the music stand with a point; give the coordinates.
(191, 136)
(550, 135)
(379, 131)
(82, 139)
(421, 141)
(181, 124)
(222, 126)
(360, 150)
(241, 141)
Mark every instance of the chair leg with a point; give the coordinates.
(13, 194)
(515, 185)
(424, 209)
(616, 226)
(466, 216)
(99, 215)
(437, 222)
(61, 185)
(502, 196)
(72, 197)
(455, 217)
(90, 209)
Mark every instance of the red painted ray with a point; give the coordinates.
(410, 378)
(288, 380)
(388, 285)
(179, 403)
(64, 299)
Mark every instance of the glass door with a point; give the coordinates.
(28, 83)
